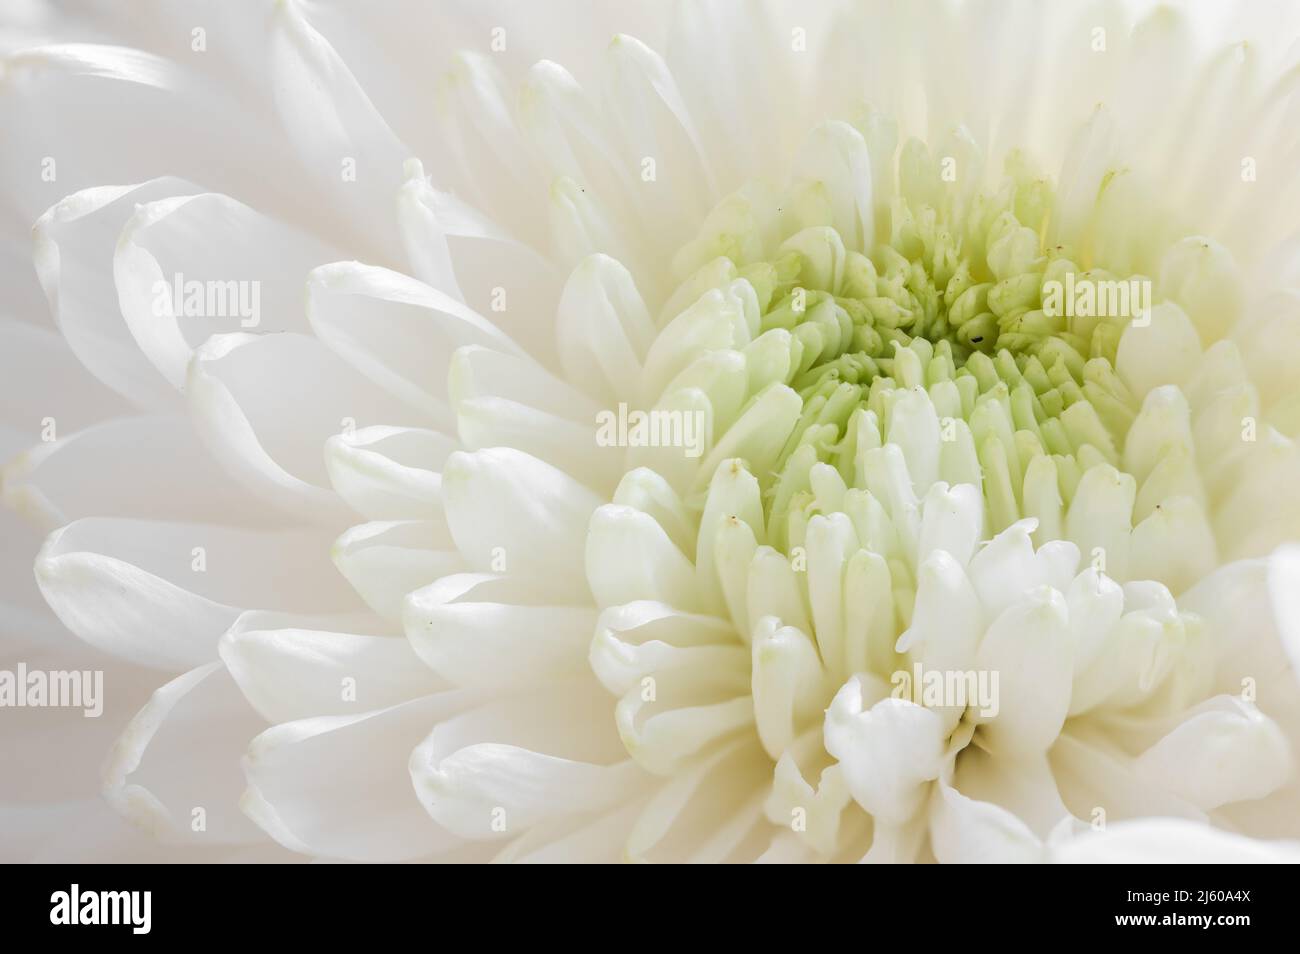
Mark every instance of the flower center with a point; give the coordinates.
(923, 462)
(1013, 342)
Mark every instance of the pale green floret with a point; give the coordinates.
(951, 300)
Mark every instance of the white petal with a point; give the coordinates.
(1284, 570)
(297, 667)
(385, 560)
(389, 473)
(1201, 276)
(712, 42)
(787, 683)
(1030, 648)
(1165, 351)
(474, 642)
(478, 372)
(966, 831)
(667, 724)
(584, 839)
(167, 118)
(1100, 784)
(603, 327)
(463, 254)
(1100, 518)
(162, 594)
(498, 770)
(565, 129)
(582, 225)
(890, 751)
(645, 105)
(836, 154)
(478, 129)
(176, 764)
(1174, 545)
(630, 557)
(73, 252)
(168, 475)
(645, 638)
(504, 401)
(734, 495)
(509, 512)
(760, 434)
(952, 520)
(948, 618)
(720, 795)
(714, 322)
(830, 542)
(1095, 603)
(330, 122)
(1005, 568)
(236, 268)
(1024, 786)
(265, 406)
(1226, 751)
(399, 333)
(774, 590)
(368, 813)
(1171, 841)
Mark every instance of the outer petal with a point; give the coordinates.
(173, 770)
(495, 639)
(161, 594)
(1171, 841)
(297, 794)
(499, 770)
(293, 667)
(510, 512)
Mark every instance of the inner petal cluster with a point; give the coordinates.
(924, 456)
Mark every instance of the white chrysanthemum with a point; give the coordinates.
(933, 564)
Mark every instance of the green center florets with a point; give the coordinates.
(963, 299)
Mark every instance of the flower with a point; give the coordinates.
(802, 444)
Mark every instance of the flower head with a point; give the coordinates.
(787, 447)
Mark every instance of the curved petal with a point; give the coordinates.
(167, 475)
(890, 751)
(389, 473)
(188, 267)
(347, 149)
(399, 333)
(298, 667)
(175, 769)
(387, 559)
(1171, 841)
(298, 796)
(117, 583)
(509, 512)
(74, 243)
(722, 797)
(630, 557)
(479, 643)
(459, 251)
(498, 770)
(139, 115)
(966, 831)
(1225, 751)
(265, 406)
